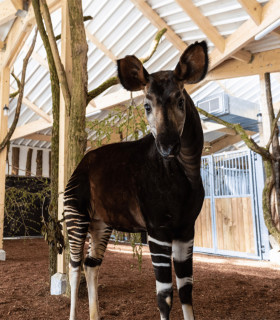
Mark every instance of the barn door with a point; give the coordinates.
(229, 223)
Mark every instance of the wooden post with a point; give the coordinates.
(4, 99)
(266, 130)
(28, 162)
(63, 121)
(39, 163)
(15, 160)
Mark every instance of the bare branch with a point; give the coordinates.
(153, 46)
(274, 127)
(14, 94)
(21, 90)
(115, 80)
(240, 131)
(59, 66)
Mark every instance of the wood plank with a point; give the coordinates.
(253, 8)
(267, 61)
(8, 11)
(219, 223)
(4, 99)
(19, 33)
(29, 128)
(203, 23)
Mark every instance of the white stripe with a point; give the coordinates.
(163, 286)
(181, 251)
(161, 264)
(183, 281)
(188, 312)
(160, 255)
(161, 243)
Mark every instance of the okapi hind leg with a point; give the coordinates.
(77, 223)
(182, 252)
(99, 237)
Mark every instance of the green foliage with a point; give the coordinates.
(120, 124)
(24, 199)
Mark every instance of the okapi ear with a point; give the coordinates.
(133, 76)
(193, 64)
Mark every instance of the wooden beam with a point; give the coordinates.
(34, 108)
(63, 122)
(246, 33)
(4, 99)
(39, 137)
(29, 128)
(2, 44)
(159, 23)
(8, 11)
(100, 45)
(19, 33)
(267, 61)
(203, 23)
(253, 8)
(18, 4)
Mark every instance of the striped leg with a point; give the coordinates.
(182, 252)
(100, 234)
(161, 259)
(77, 227)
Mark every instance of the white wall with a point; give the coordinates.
(22, 161)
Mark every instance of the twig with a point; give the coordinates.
(153, 46)
(86, 18)
(241, 132)
(21, 90)
(14, 94)
(115, 80)
(59, 66)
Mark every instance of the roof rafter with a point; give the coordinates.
(100, 45)
(240, 38)
(35, 108)
(19, 33)
(203, 23)
(253, 8)
(159, 23)
(8, 11)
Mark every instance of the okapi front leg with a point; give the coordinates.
(182, 253)
(161, 259)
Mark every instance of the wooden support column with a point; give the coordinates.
(4, 99)
(63, 121)
(15, 160)
(265, 134)
(39, 163)
(28, 162)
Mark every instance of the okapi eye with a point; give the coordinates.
(147, 107)
(181, 104)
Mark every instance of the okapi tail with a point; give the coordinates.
(76, 203)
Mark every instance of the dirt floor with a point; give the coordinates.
(223, 288)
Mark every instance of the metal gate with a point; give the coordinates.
(231, 221)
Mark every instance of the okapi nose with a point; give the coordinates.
(169, 148)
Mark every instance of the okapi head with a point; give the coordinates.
(166, 100)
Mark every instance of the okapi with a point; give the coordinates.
(152, 185)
